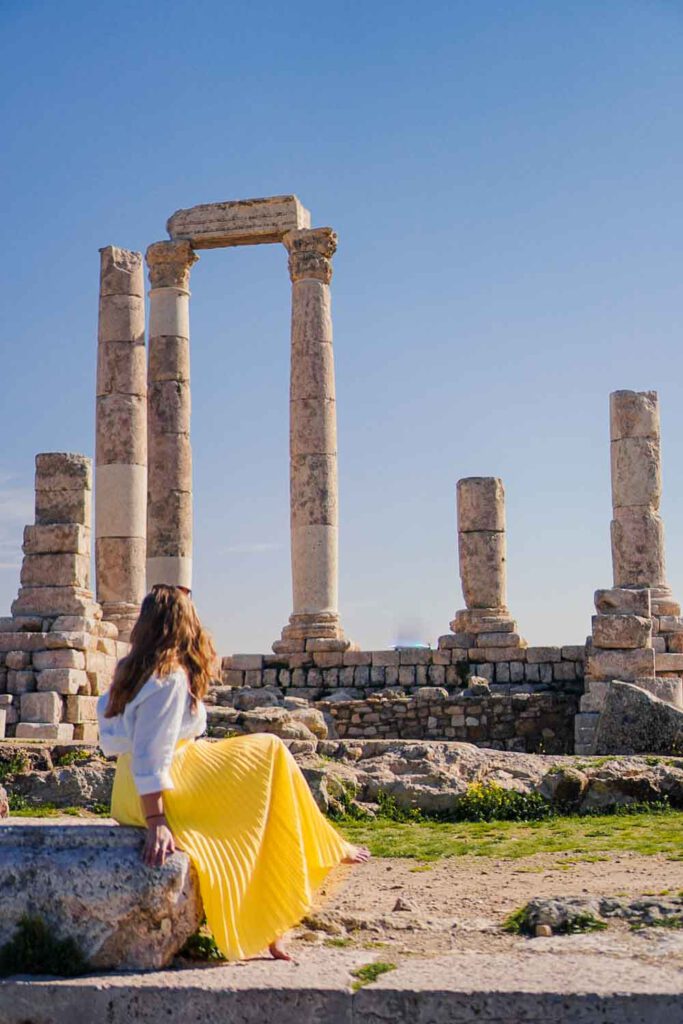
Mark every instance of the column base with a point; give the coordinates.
(319, 631)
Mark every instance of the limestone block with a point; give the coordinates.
(535, 655)
(42, 707)
(122, 368)
(169, 407)
(627, 665)
(54, 601)
(238, 222)
(634, 721)
(64, 506)
(482, 569)
(246, 662)
(81, 709)
(170, 463)
(20, 681)
(669, 689)
(21, 624)
(121, 318)
(60, 538)
(121, 568)
(43, 731)
(169, 522)
(481, 503)
(666, 608)
(483, 620)
(637, 548)
(121, 272)
(617, 600)
(674, 643)
(22, 642)
(169, 358)
(385, 658)
(668, 662)
(313, 428)
(86, 732)
(18, 660)
(494, 654)
(636, 472)
(621, 631)
(63, 471)
(493, 639)
(313, 490)
(64, 658)
(56, 570)
(312, 366)
(57, 639)
(121, 429)
(634, 414)
(63, 680)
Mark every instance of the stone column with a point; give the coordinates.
(637, 529)
(169, 486)
(314, 623)
(121, 441)
(485, 623)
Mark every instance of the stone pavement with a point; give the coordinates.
(557, 985)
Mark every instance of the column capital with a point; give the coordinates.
(169, 264)
(310, 253)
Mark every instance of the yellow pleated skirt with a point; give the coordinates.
(242, 811)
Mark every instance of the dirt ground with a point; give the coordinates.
(459, 904)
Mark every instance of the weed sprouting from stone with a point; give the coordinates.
(201, 946)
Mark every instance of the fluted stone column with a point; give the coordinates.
(637, 529)
(314, 623)
(121, 442)
(169, 494)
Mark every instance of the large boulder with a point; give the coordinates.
(634, 721)
(87, 882)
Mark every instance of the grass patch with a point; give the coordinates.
(337, 943)
(73, 757)
(519, 922)
(370, 972)
(21, 808)
(34, 950)
(201, 946)
(17, 762)
(645, 833)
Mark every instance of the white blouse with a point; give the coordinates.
(149, 728)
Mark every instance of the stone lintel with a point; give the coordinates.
(238, 222)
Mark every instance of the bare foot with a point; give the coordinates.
(359, 855)
(277, 950)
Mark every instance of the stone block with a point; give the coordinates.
(668, 689)
(117, 441)
(482, 569)
(357, 658)
(564, 671)
(63, 680)
(618, 600)
(498, 653)
(481, 504)
(58, 538)
(498, 640)
(80, 709)
(328, 659)
(57, 570)
(636, 472)
(535, 655)
(121, 320)
(86, 732)
(63, 471)
(625, 665)
(21, 624)
(55, 506)
(621, 631)
(18, 660)
(665, 607)
(637, 548)
(42, 707)
(574, 652)
(87, 882)
(634, 721)
(244, 662)
(75, 641)
(44, 731)
(50, 601)
(674, 643)
(634, 414)
(21, 681)
(384, 658)
(238, 222)
(668, 663)
(415, 656)
(483, 620)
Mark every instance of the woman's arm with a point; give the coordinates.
(159, 841)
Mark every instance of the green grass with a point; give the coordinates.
(76, 756)
(519, 923)
(645, 833)
(370, 972)
(20, 808)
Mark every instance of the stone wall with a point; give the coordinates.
(526, 668)
(532, 723)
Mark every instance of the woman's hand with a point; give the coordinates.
(159, 843)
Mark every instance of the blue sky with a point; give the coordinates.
(505, 178)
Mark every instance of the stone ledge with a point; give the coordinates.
(560, 985)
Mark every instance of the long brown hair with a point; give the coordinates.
(168, 634)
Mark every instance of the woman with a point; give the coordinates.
(240, 807)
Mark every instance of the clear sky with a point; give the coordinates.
(505, 178)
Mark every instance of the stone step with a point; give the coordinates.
(668, 662)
